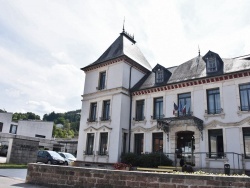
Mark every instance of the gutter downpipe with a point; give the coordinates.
(130, 111)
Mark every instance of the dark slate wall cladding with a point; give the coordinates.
(65, 176)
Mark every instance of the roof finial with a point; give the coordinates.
(123, 29)
(199, 50)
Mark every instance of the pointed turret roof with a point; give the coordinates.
(124, 45)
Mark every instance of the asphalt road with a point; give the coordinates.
(10, 178)
(14, 173)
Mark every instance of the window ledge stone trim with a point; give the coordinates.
(206, 116)
(134, 122)
(92, 122)
(239, 112)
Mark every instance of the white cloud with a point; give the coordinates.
(43, 44)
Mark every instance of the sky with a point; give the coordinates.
(44, 43)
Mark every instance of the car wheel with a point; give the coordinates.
(49, 162)
(66, 163)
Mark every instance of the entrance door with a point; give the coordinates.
(186, 146)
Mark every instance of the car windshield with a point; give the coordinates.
(54, 154)
(69, 155)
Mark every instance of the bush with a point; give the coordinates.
(151, 160)
(130, 158)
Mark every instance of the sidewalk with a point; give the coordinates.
(7, 182)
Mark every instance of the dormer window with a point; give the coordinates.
(214, 64)
(211, 65)
(159, 76)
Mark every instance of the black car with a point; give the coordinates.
(50, 157)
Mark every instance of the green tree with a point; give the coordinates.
(25, 116)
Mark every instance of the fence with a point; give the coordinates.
(209, 160)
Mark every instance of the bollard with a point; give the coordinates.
(227, 169)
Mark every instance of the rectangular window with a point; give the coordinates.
(246, 141)
(105, 112)
(139, 110)
(213, 101)
(138, 144)
(158, 108)
(92, 115)
(159, 76)
(103, 143)
(102, 78)
(245, 97)
(13, 129)
(1, 126)
(40, 136)
(157, 142)
(211, 65)
(90, 143)
(184, 101)
(216, 148)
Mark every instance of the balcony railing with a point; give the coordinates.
(102, 152)
(90, 152)
(158, 116)
(141, 118)
(244, 108)
(214, 111)
(104, 118)
(91, 119)
(216, 155)
(100, 87)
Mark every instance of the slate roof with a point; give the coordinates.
(123, 45)
(194, 69)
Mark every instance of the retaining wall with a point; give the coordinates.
(66, 176)
(22, 151)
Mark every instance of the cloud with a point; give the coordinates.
(43, 106)
(43, 44)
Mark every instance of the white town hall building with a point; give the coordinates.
(199, 109)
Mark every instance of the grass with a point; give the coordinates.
(8, 165)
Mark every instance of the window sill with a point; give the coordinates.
(239, 112)
(139, 122)
(153, 120)
(92, 122)
(206, 116)
(99, 89)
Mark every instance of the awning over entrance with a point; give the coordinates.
(165, 123)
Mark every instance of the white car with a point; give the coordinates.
(68, 157)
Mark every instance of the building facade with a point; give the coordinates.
(199, 110)
(27, 129)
